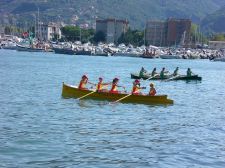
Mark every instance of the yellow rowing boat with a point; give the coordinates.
(70, 91)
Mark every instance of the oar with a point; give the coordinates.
(152, 77)
(122, 98)
(172, 78)
(85, 95)
(194, 74)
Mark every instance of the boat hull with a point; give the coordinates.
(69, 91)
(64, 51)
(82, 52)
(170, 56)
(181, 77)
(147, 56)
(222, 59)
(127, 54)
(29, 49)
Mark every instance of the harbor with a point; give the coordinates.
(121, 50)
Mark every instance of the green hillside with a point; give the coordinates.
(215, 22)
(136, 11)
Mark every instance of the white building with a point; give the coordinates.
(112, 28)
(47, 32)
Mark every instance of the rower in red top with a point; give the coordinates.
(84, 82)
(101, 86)
(136, 87)
(152, 91)
(115, 86)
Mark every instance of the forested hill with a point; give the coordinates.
(215, 21)
(136, 11)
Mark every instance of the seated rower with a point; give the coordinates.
(101, 85)
(175, 73)
(142, 72)
(115, 86)
(136, 87)
(189, 72)
(152, 91)
(83, 83)
(162, 73)
(154, 73)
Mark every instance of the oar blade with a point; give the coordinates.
(85, 95)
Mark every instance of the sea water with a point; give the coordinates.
(38, 128)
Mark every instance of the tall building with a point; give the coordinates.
(155, 33)
(112, 28)
(168, 33)
(47, 32)
(178, 31)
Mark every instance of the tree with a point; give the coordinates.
(219, 37)
(75, 33)
(134, 37)
(71, 33)
(99, 37)
(87, 35)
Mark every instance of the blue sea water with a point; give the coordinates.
(38, 128)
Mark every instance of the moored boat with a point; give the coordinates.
(147, 56)
(127, 54)
(179, 77)
(68, 51)
(170, 56)
(69, 91)
(83, 52)
(222, 59)
(29, 49)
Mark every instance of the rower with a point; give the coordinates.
(154, 73)
(142, 71)
(175, 73)
(136, 87)
(83, 83)
(189, 72)
(115, 86)
(162, 73)
(101, 85)
(152, 91)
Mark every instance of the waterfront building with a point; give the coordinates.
(2, 29)
(178, 31)
(155, 33)
(46, 32)
(216, 45)
(168, 33)
(112, 28)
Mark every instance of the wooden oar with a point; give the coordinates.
(172, 78)
(85, 95)
(152, 77)
(122, 98)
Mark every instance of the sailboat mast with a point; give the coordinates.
(144, 34)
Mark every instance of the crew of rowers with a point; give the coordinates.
(102, 87)
(163, 73)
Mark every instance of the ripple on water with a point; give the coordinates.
(40, 129)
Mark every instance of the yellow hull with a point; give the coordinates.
(69, 91)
